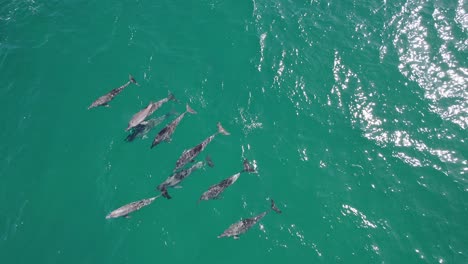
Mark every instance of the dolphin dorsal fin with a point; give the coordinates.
(165, 194)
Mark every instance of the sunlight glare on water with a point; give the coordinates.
(354, 115)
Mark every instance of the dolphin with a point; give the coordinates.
(146, 126)
(215, 190)
(243, 225)
(166, 132)
(131, 207)
(105, 99)
(147, 111)
(179, 176)
(190, 154)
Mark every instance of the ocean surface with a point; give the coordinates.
(354, 114)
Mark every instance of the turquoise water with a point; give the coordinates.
(355, 114)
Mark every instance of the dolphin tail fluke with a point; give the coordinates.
(247, 167)
(171, 97)
(165, 194)
(130, 137)
(132, 80)
(222, 130)
(274, 208)
(190, 110)
(209, 161)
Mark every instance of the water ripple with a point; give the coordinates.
(15, 11)
(298, 235)
(250, 122)
(462, 17)
(412, 149)
(349, 210)
(262, 48)
(437, 71)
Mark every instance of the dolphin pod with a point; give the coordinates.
(139, 126)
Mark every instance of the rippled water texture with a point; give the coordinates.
(354, 114)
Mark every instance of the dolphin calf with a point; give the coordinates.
(190, 154)
(166, 132)
(146, 126)
(179, 176)
(215, 190)
(147, 111)
(105, 99)
(131, 207)
(242, 226)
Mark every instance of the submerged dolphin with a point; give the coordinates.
(131, 207)
(242, 226)
(190, 154)
(147, 111)
(105, 99)
(215, 190)
(179, 176)
(166, 132)
(146, 126)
